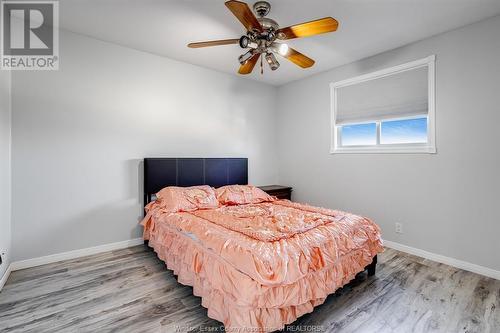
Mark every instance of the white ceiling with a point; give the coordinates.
(367, 27)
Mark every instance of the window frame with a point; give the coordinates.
(400, 148)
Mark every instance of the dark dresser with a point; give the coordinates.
(281, 192)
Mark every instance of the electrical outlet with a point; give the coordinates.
(399, 228)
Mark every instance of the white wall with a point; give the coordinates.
(448, 202)
(5, 180)
(80, 133)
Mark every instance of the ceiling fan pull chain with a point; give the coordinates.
(261, 65)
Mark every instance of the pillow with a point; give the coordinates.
(241, 194)
(185, 199)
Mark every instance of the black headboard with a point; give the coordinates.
(215, 172)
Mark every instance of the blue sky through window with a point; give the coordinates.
(359, 135)
(404, 131)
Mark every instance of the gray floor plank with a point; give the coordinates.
(131, 290)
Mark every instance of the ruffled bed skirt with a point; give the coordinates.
(238, 301)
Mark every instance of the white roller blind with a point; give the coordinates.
(403, 94)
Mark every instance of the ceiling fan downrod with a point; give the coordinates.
(262, 8)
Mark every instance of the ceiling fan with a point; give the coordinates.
(263, 33)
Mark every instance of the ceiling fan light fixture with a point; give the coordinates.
(283, 49)
(271, 60)
(244, 57)
(271, 35)
(246, 42)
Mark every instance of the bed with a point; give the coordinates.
(260, 265)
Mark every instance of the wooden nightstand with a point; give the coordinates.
(281, 192)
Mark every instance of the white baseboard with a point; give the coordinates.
(5, 276)
(17, 265)
(489, 272)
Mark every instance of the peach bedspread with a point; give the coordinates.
(260, 266)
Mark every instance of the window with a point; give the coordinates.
(389, 111)
(404, 131)
(359, 135)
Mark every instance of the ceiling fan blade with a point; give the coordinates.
(247, 67)
(316, 27)
(298, 58)
(213, 43)
(244, 14)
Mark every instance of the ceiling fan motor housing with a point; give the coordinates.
(268, 23)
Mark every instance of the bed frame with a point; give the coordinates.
(215, 172)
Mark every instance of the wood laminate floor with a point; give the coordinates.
(132, 291)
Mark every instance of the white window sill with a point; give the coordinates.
(385, 150)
